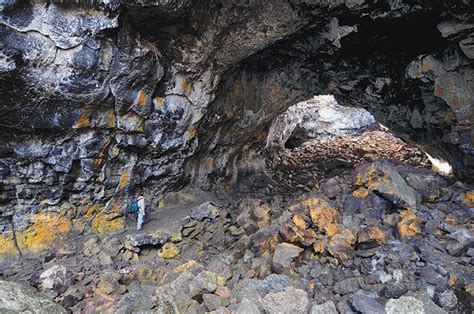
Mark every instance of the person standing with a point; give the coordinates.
(141, 211)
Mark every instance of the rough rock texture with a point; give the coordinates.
(15, 298)
(98, 100)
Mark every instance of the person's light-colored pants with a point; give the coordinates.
(141, 219)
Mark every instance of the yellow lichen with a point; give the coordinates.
(190, 134)
(7, 245)
(360, 193)
(323, 215)
(103, 223)
(160, 101)
(318, 247)
(221, 281)
(409, 224)
(169, 251)
(46, 230)
(124, 178)
(298, 221)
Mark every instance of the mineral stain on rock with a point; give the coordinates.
(284, 150)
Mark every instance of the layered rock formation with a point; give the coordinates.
(100, 100)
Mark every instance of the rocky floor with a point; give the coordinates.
(373, 236)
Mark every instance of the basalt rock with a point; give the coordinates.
(101, 99)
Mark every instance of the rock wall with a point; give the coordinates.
(100, 100)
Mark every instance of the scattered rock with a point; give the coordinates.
(290, 300)
(331, 188)
(409, 224)
(448, 300)
(347, 286)
(285, 254)
(365, 302)
(370, 237)
(55, 279)
(341, 245)
(404, 304)
(253, 215)
(206, 210)
(327, 307)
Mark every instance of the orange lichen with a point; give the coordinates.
(426, 65)
(100, 158)
(468, 199)
(46, 230)
(111, 119)
(323, 215)
(409, 224)
(84, 120)
(141, 99)
(185, 86)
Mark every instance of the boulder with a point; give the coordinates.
(18, 298)
(213, 302)
(370, 237)
(404, 304)
(409, 224)
(248, 306)
(323, 215)
(55, 279)
(347, 286)
(383, 178)
(290, 300)
(341, 245)
(365, 302)
(327, 307)
(206, 210)
(253, 215)
(285, 254)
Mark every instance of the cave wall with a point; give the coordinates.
(102, 99)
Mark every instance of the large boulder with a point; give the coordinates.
(383, 178)
(17, 298)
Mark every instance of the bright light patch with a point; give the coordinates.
(440, 166)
